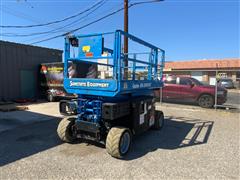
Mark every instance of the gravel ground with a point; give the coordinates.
(195, 143)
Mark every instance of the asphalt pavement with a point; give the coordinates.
(195, 143)
(233, 98)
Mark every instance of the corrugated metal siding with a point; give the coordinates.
(16, 57)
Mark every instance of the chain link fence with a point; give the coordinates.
(218, 92)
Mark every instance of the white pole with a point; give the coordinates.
(215, 104)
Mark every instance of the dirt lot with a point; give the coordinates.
(195, 143)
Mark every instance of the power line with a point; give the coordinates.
(110, 14)
(19, 14)
(78, 21)
(56, 30)
(94, 10)
(95, 21)
(22, 15)
(104, 17)
(55, 22)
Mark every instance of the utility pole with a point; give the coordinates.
(126, 38)
(125, 25)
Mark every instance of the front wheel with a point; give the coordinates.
(206, 101)
(119, 140)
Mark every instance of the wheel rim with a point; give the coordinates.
(125, 142)
(205, 101)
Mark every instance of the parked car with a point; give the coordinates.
(187, 89)
(227, 83)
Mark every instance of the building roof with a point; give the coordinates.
(28, 45)
(204, 64)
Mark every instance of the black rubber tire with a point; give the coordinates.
(113, 142)
(206, 101)
(159, 120)
(50, 98)
(65, 131)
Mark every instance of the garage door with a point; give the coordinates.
(197, 75)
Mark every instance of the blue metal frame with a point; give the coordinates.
(116, 86)
(89, 109)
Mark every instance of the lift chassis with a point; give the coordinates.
(115, 101)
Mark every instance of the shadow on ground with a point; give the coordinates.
(178, 132)
(224, 107)
(29, 139)
(26, 139)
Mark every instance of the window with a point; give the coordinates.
(184, 81)
(196, 82)
(238, 75)
(170, 80)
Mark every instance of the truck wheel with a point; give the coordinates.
(119, 140)
(65, 130)
(206, 101)
(50, 98)
(159, 120)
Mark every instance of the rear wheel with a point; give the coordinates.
(50, 98)
(118, 141)
(65, 130)
(206, 101)
(159, 120)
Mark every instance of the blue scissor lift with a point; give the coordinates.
(114, 101)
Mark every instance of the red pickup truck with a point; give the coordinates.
(187, 89)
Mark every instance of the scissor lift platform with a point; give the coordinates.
(115, 95)
(91, 49)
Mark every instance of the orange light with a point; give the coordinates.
(89, 54)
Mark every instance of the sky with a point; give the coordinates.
(185, 29)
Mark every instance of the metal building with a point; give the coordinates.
(19, 69)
